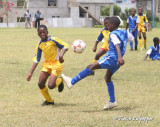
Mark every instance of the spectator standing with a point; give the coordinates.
(27, 17)
(37, 17)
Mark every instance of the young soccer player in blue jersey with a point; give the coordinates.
(153, 51)
(53, 50)
(112, 61)
(103, 36)
(132, 23)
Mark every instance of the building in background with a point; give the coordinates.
(125, 4)
(59, 13)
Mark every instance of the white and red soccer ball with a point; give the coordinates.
(78, 46)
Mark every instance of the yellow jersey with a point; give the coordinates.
(104, 36)
(50, 48)
(142, 20)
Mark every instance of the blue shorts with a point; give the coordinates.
(135, 33)
(110, 63)
(156, 57)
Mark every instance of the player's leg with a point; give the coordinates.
(135, 38)
(71, 81)
(44, 90)
(145, 39)
(131, 42)
(55, 82)
(102, 51)
(110, 86)
(140, 40)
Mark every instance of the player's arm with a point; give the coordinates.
(116, 43)
(63, 51)
(120, 59)
(95, 46)
(146, 21)
(31, 71)
(36, 60)
(99, 38)
(63, 46)
(127, 24)
(147, 54)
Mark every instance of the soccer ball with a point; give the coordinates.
(78, 46)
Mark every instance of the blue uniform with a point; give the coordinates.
(132, 21)
(153, 52)
(110, 60)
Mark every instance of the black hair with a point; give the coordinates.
(42, 26)
(133, 9)
(106, 18)
(115, 21)
(155, 39)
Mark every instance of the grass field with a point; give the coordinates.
(137, 85)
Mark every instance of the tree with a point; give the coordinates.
(117, 10)
(7, 6)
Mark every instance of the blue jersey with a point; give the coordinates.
(132, 21)
(122, 35)
(153, 52)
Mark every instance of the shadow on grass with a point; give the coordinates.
(63, 104)
(126, 109)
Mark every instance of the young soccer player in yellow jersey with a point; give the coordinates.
(142, 28)
(53, 50)
(103, 36)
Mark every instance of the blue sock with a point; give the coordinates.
(81, 75)
(110, 87)
(131, 44)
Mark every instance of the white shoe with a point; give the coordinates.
(110, 105)
(67, 80)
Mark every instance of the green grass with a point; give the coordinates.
(137, 85)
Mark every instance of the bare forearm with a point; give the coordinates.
(127, 26)
(118, 51)
(145, 57)
(63, 52)
(33, 67)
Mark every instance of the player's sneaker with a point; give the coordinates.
(61, 86)
(67, 80)
(110, 105)
(145, 47)
(47, 103)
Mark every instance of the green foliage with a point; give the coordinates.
(124, 15)
(124, 24)
(98, 26)
(107, 11)
(117, 10)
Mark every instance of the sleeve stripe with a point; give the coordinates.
(59, 45)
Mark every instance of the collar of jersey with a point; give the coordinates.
(49, 38)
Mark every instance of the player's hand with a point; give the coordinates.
(94, 49)
(29, 77)
(120, 61)
(61, 60)
(132, 31)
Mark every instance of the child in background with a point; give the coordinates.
(111, 61)
(53, 49)
(103, 36)
(142, 28)
(132, 23)
(153, 51)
